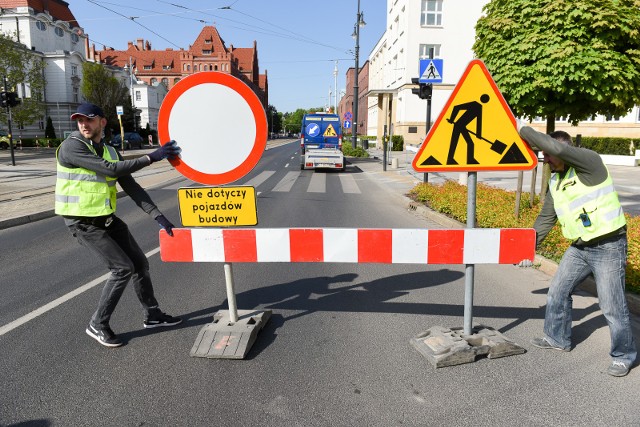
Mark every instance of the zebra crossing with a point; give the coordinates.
(316, 184)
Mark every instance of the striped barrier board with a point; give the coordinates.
(349, 245)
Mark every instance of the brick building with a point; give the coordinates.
(207, 53)
(346, 102)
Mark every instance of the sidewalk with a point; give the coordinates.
(626, 178)
(26, 189)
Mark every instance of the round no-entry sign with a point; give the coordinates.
(219, 123)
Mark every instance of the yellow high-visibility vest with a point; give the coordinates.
(82, 192)
(585, 212)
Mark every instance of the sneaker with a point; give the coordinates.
(161, 319)
(618, 369)
(104, 336)
(543, 343)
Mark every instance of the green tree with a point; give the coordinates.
(24, 70)
(100, 87)
(274, 119)
(49, 131)
(563, 58)
(294, 120)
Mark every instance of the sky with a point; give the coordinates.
(298, 41)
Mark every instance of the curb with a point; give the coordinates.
(26, 219)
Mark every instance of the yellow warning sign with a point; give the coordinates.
(476, 130)
(217, 206)
(330, 131)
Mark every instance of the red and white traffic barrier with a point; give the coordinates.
(409, 246)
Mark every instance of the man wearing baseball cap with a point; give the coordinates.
(85, 196)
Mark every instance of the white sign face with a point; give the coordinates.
(218, 122)
(119, 110)
(214, 127)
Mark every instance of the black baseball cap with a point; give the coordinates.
(87, 110)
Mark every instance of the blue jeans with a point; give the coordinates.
(607, 261)
(120, 252)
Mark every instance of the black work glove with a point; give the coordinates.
(165, 224)
(168, 150)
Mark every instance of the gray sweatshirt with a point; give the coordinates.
(589, 167)
(73, 152)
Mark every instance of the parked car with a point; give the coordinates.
(4, 139)
(131, 140)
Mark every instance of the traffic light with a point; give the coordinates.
(415, 81)
(9, 99)
(424, 91)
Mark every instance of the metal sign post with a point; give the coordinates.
(120, 112)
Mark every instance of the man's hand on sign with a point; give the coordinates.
(165, 224)
(169, 150)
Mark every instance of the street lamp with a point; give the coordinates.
(356, 35)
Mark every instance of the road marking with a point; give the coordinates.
(256, 181)
(348, 183)
(59, 301)
(318, 183)
(287, 182)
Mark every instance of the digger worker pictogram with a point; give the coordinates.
(472, 111)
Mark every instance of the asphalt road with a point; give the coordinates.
(335, 353)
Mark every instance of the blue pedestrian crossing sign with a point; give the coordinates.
(431, 70)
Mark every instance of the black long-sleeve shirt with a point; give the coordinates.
(74, 153)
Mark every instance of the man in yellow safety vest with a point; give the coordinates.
(583, 200)
(85, 196)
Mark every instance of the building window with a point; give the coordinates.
(74, 70)
(206, 52)
(431, 13)
(154, 81)
(413, 129)
(138, 96)
(42, 26)
(188, 67)
(426, 48)
(75, 38)
(165, 82)
(148, 67)
(41, 123)
(59, 32)
(166, 67)
(176, 80)
(76, 97)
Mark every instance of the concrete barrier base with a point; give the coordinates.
(223, 339)
(450, 346)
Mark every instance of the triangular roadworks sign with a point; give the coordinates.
(476, 130)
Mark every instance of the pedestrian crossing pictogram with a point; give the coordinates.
(431, 72)
(476, 130)
(330, 131)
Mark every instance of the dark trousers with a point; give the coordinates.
(115, 245)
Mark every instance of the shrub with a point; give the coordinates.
(607, 145)
(495, 208)
(349, 151)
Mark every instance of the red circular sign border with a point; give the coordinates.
(252, 100)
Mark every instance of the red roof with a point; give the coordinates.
(58, 9)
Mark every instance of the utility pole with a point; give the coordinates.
(335, 88)
(356, 34)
